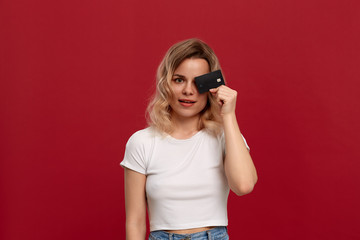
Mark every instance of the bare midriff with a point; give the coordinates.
(189, 231)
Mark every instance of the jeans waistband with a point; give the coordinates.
(214, 233)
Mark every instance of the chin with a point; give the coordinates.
(187, 114)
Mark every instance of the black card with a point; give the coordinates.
(209, 80)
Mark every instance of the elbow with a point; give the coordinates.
(244, 189)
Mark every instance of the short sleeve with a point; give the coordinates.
(222, 140)
(134, 157)
(247, 146)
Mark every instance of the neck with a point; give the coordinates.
(185, 127)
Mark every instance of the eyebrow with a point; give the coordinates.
(178, 75)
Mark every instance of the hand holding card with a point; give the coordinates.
(209, 80)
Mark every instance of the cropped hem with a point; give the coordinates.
(188, 226)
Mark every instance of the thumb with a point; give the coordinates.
(213, 90)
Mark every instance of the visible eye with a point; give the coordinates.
(178, 80)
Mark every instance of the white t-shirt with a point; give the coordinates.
(186, 186)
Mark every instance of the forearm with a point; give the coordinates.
(239, 167)
(135, 205)
(135, 231)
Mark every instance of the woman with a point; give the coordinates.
(182, 166)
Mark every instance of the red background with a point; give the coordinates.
(76, 77)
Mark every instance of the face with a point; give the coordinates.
(186, 101)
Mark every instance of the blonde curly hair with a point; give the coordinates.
(158, 112)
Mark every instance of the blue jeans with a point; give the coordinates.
(217, 233)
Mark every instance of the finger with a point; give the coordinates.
(224, 88)
(214, 90)
(222, 94)
(217, 98)
(227, 92)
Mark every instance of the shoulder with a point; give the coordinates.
(141, 134)
(142, 137)
(219, 137)
(137, 150)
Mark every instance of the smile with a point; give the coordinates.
(186, 102)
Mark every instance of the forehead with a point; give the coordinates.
(192, 67)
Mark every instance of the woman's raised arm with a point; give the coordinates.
(239, 167)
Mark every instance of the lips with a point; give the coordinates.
(187, 102)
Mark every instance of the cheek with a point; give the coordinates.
(172, 100)
(176, 90)
(204, 100)
(173, 94)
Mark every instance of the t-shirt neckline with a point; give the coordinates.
(193, 137)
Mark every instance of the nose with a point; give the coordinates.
(189, 88)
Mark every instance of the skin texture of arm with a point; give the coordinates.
(239, 167)
(135, 205)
